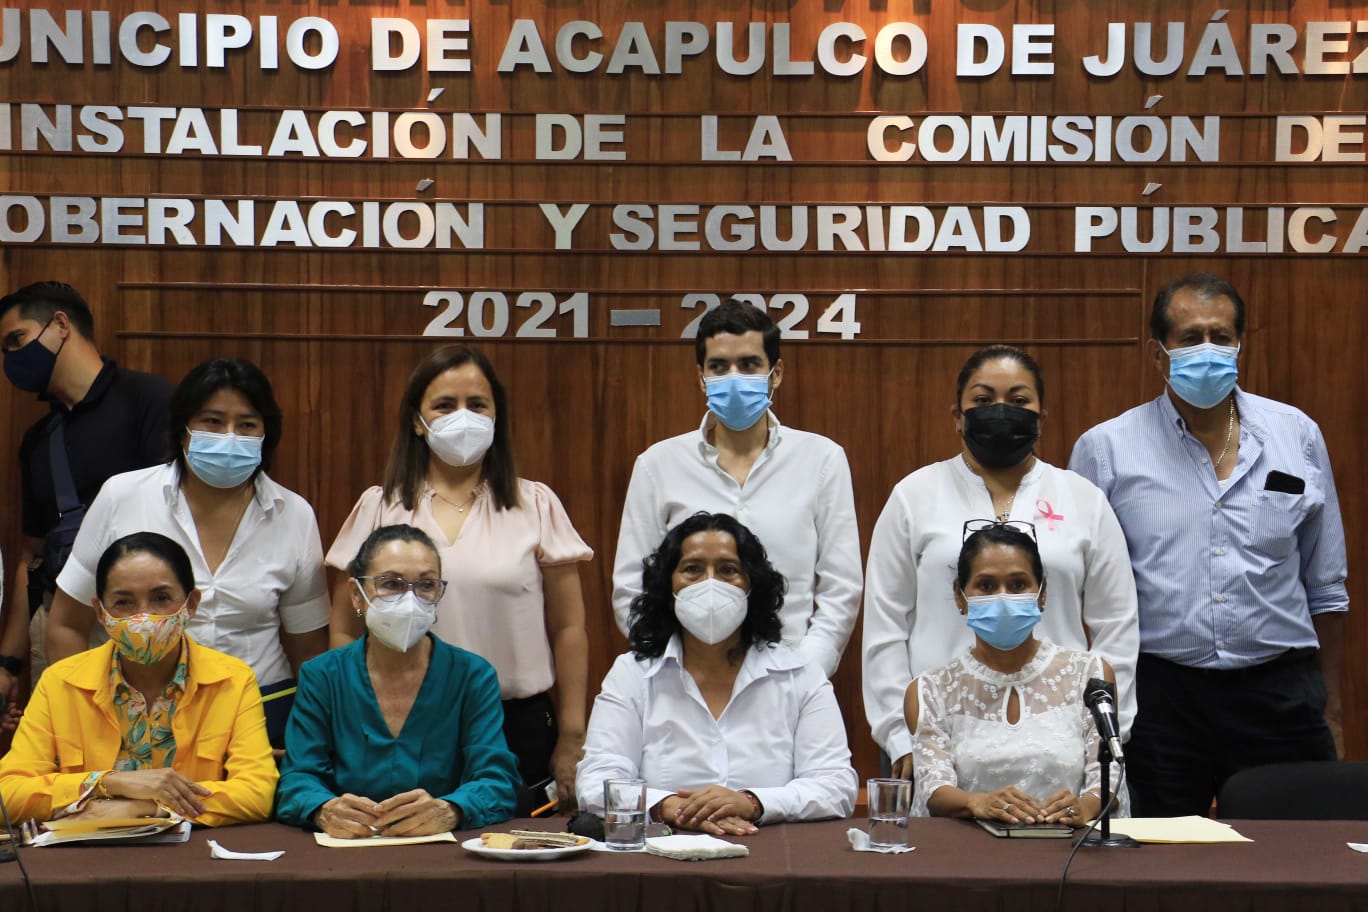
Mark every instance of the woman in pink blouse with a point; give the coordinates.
(509, 550)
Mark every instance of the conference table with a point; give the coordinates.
(1290, 866)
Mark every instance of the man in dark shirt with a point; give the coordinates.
(112, 420)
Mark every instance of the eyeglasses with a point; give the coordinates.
(388, 587)
(978, 525)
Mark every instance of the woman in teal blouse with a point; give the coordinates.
(398, 733)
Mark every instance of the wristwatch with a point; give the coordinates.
(11, 664)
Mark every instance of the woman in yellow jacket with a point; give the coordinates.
(149, 723)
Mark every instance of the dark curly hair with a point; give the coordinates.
(653, 619)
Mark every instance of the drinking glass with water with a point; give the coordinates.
(624, 814)
(890, 801)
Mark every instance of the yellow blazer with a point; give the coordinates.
(70, 729)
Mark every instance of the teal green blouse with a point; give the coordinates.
(452, 742)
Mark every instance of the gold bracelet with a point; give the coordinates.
(100, 790)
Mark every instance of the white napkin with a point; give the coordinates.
(694, 847)
(859, 841)
(218, 851)
(1358, 846)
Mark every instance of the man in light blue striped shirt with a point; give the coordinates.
(1233, 525)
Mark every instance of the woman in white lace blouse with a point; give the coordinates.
(1001, 733)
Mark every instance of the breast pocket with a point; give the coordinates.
(1276, 518)
(210, 755)
(70, 756)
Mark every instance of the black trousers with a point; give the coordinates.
(531, 732)
(1195, 727)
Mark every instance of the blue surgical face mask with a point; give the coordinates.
(738, 400)
(30, 368)
(223, 460)
(1203, 375)
(1004, 621)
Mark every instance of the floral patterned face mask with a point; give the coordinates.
(145, 638)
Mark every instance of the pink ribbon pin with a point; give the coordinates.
(1048, 512)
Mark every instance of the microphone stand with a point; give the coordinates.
(1103, 835)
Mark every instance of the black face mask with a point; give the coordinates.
(1000, 435)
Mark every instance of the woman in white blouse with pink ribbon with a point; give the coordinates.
(509, 551)
(910, 622)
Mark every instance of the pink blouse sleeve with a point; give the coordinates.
(364, 519)
(560, 543)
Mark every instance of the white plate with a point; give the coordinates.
(549, 854)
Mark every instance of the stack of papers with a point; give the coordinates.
(694, 847)
(1176, 830)
(141, 830)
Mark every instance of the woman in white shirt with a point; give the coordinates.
(254, 545)
(910, 623)
(1001, 732)
(511, 551)
(729, 728)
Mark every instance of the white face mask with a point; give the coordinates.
(460, 438)
(711, 610)
(399, 623)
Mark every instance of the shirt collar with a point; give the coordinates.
(175, 688)
(103, 381)
(1245, 406)
(759, 659)
(265, 492)
(961, 465)
(710, 420)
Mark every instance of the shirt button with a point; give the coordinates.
(1204, 460)
(1216, 505)
(1220, 644)
(1220, 598)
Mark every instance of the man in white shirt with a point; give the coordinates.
(791, 488)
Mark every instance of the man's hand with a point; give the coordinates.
(1334, 720)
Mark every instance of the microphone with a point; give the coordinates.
(1099, 697)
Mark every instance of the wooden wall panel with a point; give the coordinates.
(338, 330)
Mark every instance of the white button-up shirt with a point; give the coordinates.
(270, 579)
(798, 501)
(780, 736)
